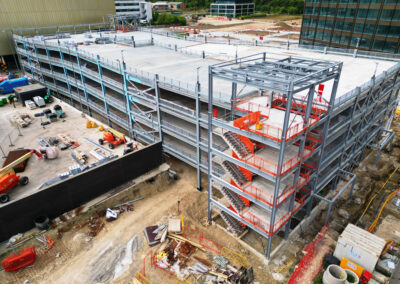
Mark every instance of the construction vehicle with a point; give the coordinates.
(59, 111)
(47, 98)
(113, 137)
(8, 178)
(3, 102)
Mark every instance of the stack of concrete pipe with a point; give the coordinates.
(334, 274)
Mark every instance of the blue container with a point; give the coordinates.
(9, 85)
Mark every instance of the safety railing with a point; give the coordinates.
(273, 168)
(299, 105)
(249, 106)
(270, 131)
(268, 198)
(263, 224)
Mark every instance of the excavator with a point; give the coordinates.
(8, 178)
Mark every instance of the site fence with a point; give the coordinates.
(310, 251)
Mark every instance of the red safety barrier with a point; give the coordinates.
(249, 106)
(319, 105)
(267, 198)
(247, 142)
(245, 200)
(20, 260)
(199, 237)
(269, 131)
(305, 262)
(271, 167)
(247, 120)
(247, 173)
(264, 225)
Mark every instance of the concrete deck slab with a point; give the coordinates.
(182, 67)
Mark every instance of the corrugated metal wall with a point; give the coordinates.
(42, 13)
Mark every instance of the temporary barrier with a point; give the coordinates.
(245, 200)
(249, 106)
(264, 225)
(319, 105)
(268, 198)
(272, 167)
(247, 142)
(20, 260)
(245, 121)
(247, 173)
(305, 262)
(272, 132)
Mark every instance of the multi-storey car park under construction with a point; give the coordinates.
(271, 128)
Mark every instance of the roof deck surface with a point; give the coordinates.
(180, 66)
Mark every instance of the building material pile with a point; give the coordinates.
(184, 257)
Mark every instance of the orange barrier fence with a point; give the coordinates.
(247, 120)
(271, 167)
(306, 261)
(319, 105)
(272, 132)
(247, 142)
(249, 106)
(264, 225)
(268, 198)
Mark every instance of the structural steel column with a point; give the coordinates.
(28, 57)
(233, 99)
(78, 60)
(65, 72)
(128, 103)
(280, 162)
(310, 99)
(210, 130)
(158, 99)
(325, 134)
(51, 65)
(103, 89)
(198, 136)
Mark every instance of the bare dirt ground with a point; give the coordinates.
(287, 23)
(116, 253)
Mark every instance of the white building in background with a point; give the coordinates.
(134, 8)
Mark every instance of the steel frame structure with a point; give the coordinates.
(287, 75)
(140, 105)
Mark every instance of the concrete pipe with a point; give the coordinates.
(351, 277)
(334, 274)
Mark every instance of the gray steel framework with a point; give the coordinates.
(145, 108)
(288, 75)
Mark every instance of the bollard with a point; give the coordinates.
(19, 131)
(11, 144)
(4, 155)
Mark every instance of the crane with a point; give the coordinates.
(8, 178)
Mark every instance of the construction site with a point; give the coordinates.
(222, 156)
